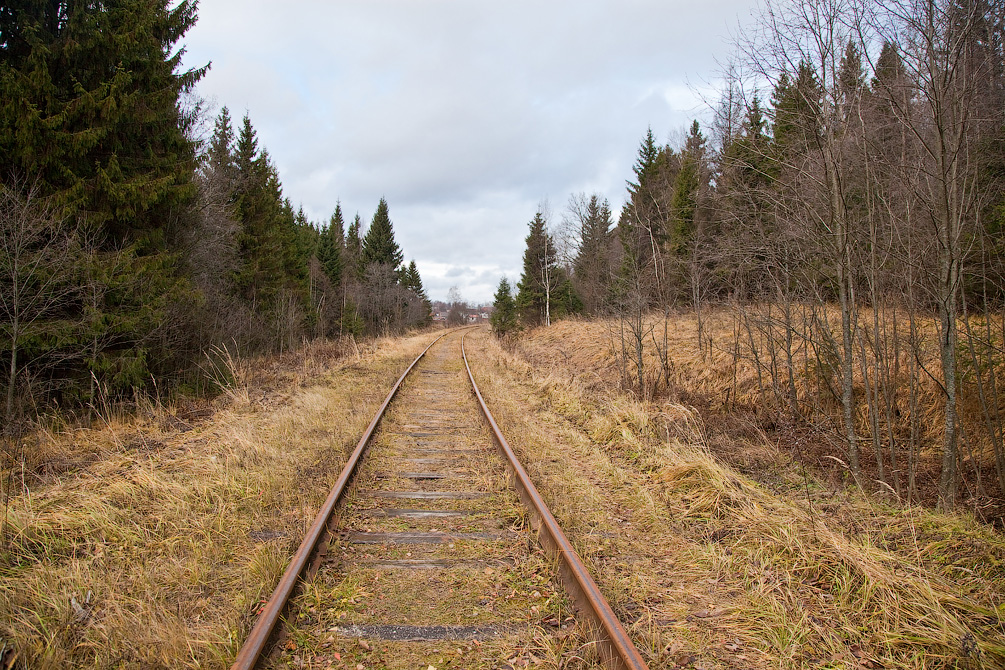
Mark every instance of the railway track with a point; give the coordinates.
(425, 552)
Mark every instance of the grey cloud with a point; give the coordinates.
(464, 115)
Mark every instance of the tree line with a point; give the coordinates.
(847, 203)
(129, 247)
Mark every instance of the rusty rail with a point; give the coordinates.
(615, 646)
(270, 615)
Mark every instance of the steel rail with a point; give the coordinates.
(270, 615)
(615, 646)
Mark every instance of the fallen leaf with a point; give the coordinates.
(290, 645)
(674, 647)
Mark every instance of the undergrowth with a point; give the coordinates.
(730, 569)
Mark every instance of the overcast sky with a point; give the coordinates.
(465, 114)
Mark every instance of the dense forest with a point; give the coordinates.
(845, 207)
(130, 247)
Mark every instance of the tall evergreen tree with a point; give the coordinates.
(258, 208)
(796, 111)
(412, 281)
(246, 149)
(745, 173)
(379, 247)
(691, 178)
(89, 97)
(504, 316)
(89, 103)
(220, 156)
(275, 242)
(646, 164)
(301, 245)
(746, 157)
(643, 226)
(354, 249)
(592, 265)
(541, 275)
(330, 247)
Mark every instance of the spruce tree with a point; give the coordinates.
(747, 170)
(220, 156)
(379, 247)
(643, 226)
(354, 249)
(796, 111)
(246, 149)
(592, 265)
(255, 211)
(302, 245)
(541, 275)
(594, 238)
(267, 237)
(89, 104)
(691, 177)
(504, 315)
(89, 97)
(330, 244)
(413, 282)
(646, 164)
(748, 157)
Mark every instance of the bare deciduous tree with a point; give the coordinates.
(36, 252)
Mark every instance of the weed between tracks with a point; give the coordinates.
(150, 541)
(522, 593)
(519, 592)
(716, 569)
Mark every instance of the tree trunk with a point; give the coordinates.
(947, 346)
(12, 378)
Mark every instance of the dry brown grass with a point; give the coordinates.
(149, 540)
(720, 569)
(720, 381)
